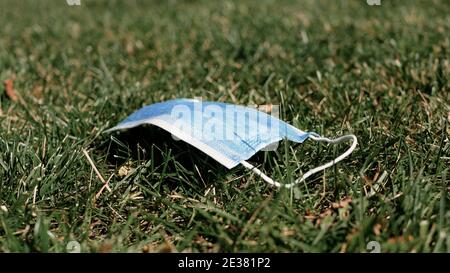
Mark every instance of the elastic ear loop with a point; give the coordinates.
(312, 171)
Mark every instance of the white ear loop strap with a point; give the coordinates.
(312, 171)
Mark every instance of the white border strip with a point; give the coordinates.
(227, 162)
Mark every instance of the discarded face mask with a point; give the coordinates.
(229, 133)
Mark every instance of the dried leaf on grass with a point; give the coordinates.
(9, 90)
(38, 91)
(340, 208)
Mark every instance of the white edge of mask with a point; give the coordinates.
(227, 162)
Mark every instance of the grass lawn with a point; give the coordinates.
(334, 67)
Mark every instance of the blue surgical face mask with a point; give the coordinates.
(229, 133)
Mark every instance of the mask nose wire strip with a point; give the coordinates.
(312, 171)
